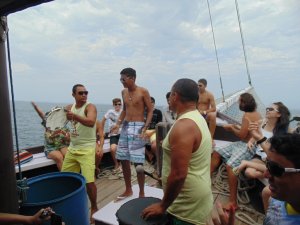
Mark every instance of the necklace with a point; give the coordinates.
(130, 98)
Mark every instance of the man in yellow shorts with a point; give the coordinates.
(81, 152)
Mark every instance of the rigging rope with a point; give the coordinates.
(243, 42)
(13, 104)
(216, 52)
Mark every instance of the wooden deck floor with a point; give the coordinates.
(108, 190)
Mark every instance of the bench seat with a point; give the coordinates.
(40, 160)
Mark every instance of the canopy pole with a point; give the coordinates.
(8, 190)
(243, 42)
(216, 51)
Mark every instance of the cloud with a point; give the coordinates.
(61, 43)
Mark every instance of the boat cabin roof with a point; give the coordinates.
(12, 6)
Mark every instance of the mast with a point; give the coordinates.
(8, 190)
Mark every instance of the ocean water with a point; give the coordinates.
(29, 128)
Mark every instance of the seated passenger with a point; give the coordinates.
(169, 115)
(112, 116)
(56, 142)
(207, 107)
(151, 134)
(234, 153)
(276, 122)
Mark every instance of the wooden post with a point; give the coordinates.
(8, 190)
(162, 130)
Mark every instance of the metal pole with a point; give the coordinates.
(8, 190)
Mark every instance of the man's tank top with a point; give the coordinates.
(82, 137)
(195, 201)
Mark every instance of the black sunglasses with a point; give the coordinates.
(83, 92)
(270, 109)
(118, 104)
(277, 170)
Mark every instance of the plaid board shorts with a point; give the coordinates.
(131, 146)
(234, 153)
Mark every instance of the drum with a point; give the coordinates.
(130, 212)
(56, 118)
(57, 131)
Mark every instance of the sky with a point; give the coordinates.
(58, 44)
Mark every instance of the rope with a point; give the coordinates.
(243, 42)
(22, 186)
(220, 183)
(216, 52)
(13, 104)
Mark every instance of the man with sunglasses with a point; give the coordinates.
(81, 152)
(112, 117)
(131, 147)
(283, 173)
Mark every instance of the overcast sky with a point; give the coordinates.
(64, 42)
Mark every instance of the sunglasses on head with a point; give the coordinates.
(118, 104)
(277, 170)
(270, 109)
(83, 92)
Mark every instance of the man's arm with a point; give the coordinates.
(115, 128)
(147, 101)
(100, 132)
(212, 107)
(240, 131)
(89, 120)
(182, 140)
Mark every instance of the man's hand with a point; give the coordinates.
(153, 211)
(115, 129)
(70, 115)
(223, 218)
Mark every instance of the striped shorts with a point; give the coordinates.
(131, 146)
(234, 153)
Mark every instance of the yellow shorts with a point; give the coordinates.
(153, 137)
(81, 160)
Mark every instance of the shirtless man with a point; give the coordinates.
(207, 106)
(234, 153)
(131, 146)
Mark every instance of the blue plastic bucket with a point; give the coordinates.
(64, 192)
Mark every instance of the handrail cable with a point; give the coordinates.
(13, 104)
(243, 42)
(216, 52)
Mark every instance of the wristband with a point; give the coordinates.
(261, 140)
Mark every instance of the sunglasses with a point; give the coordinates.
(83, 92)
(123, 79)
(270, 109)
(277, 170)
(117, 104)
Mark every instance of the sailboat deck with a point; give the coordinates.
(108, 190)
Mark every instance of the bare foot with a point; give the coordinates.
(142, 195)
(92, 221)
(123, 196)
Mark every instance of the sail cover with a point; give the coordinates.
(11, 6)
